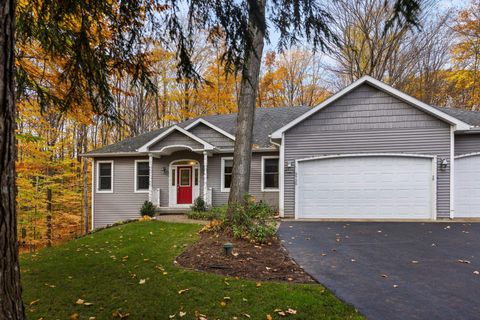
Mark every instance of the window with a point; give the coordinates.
(105, 176)
(142, 176)
(196, 176)
(227, 166)
(269, 173)
(184, 180)
(173, 178)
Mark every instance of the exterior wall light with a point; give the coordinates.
(443, 164)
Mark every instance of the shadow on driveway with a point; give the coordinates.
(393, 270)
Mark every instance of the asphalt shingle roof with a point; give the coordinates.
(267, 120)
(470, 117)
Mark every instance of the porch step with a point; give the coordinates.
(167, 210)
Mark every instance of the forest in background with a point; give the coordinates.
(437, 63)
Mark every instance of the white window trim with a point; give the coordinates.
(263, 174)
(222, 177)
(98, 176)
(136, 190)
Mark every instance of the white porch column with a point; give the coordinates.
(205, 171)
(150, 177)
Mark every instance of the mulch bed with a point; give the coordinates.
(267, 262)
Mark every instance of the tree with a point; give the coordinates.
(11, 306)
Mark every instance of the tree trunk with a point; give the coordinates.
(242, 154)
(85, 179)
(11, 306)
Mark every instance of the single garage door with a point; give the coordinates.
(366, 187)
(467, 186)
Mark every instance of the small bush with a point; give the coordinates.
(147, 209)
(215, 213)
(199, 205)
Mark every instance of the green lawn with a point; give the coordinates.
(97, 270)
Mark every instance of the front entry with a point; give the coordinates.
(184, 185)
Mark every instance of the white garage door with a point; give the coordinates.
(366, 187)
(467, 186)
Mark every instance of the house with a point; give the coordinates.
(367, 152)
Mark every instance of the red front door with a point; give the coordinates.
(184, 185)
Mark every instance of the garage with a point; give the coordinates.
(366, 186)
(467, 186)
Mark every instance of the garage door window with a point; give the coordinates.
(270, 173)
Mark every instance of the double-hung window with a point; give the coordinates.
(226, 178)
(105, 176)
(142, 175)
(270, 169)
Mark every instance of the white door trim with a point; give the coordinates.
(355, 155)
(172, 189)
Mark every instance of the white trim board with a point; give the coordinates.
(459, 125)
(473, 154)
(145, 147)
(222, 174)
(208, 124)
(355, 155)
(93, 194)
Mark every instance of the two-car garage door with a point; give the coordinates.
(366, 187)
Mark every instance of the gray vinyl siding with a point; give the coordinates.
(368, 120)
(176, 138)
(467, 143)
(211, 136)
(123, 203)
(214, 180)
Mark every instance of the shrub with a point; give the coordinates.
(147, 209)
(199, 205)
(215, 213)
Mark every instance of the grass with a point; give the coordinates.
(97, 270)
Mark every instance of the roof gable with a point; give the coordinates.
(211, 126)
(189, 140)
(460, 125)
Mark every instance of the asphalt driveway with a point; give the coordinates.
(392, 270)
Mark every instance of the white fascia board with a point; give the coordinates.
(208, 124)
(146, 146)
(459, 125)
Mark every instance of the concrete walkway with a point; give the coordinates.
(179, 218)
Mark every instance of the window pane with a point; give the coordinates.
(271, 165)
(196, 177)
(173, 177)
(143, 183)
(227, 181)
(271, 180)
(184, 177)
(105, 183)
(143, 169)
(105, 169)
(228, 165)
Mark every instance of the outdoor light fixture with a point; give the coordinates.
(443, 164)
(164, 170)
(227, 248)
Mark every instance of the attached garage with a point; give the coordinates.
(366, 186)
(467, 186)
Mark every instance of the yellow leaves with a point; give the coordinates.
(33, 302)
(182, 291)
(83, 302)
(73, 316)
(120, 314)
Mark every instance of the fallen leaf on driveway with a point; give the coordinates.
(476, 272)
(464, 261)
(395, 285)
(384, 276)
(414, 261)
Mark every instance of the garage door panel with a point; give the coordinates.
(378, 187)
(467, 187)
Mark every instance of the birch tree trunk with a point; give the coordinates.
(242, 154)
(11, 306)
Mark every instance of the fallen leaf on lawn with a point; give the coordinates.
(171, 316)
(246, 315)
(200, 316)
(223, 303)
(269, 317)
(88, 304)
(182, 291)
(227, 298)
(34, 302)
(258, 284)
(92, 318)
(245, 300)
(80, 301)
(118, 314)
(463, 261)
(291, 311)
(142, 281)
(281, 313)
(182, 314)
(73, 316)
